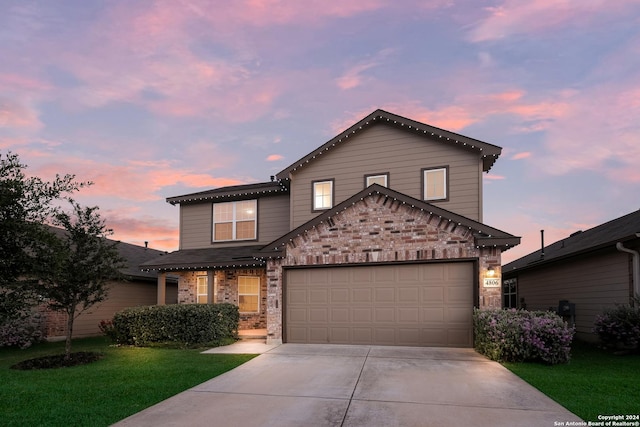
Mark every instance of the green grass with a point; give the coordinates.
(595, 382)
(125, 381)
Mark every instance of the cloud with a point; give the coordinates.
(161, 234)
(274, 157)
(16, 115)
(521, 155)
(353, 77)
(512, 17)
(132, 181)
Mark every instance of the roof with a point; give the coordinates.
(484, 235)
(602, 236)
(489, 152)
(133, 255)
(234, 192)
(204, 259)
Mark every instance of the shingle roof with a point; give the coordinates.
(604, 235)
(234, 192)
(489, 152)
(484, 235)
(208, 258)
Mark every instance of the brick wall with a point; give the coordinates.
(227, 291)
(378, 229)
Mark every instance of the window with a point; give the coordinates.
(510, 293)
(234, 220)
(322, 195)
(202, 289)
(435, 183)
(380, 179)
(249, 294)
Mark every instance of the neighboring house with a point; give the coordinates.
(592, 270)
(136, 289)
(375, 237)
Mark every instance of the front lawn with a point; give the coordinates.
(125, 381)
(595, 382)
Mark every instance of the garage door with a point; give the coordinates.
(409, 305)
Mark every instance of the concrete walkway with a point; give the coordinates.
(343, 385)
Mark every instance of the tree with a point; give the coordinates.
(76, 263)
(26, 204)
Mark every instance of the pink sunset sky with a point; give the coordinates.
(153, 99)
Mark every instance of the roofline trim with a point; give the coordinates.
(490, 152)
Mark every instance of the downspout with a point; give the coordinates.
(636, 266)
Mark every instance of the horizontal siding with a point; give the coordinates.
(592, 283)
(196, 223)
(121, 296)
(381, 149)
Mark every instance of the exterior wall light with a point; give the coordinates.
(491, 272)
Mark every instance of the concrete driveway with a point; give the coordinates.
(344, 385)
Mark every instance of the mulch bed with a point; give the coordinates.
(58, 361)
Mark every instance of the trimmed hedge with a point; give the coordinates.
(185, 324)
(520, 335)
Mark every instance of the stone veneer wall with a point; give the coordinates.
(227, 291)
(378, 229)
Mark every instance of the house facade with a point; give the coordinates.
(590, 270)
(375, 237)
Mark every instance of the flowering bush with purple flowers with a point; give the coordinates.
(619, 326)
(21, 331)
(519, 335)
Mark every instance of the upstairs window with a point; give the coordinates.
(322, 195)
(434, 183)
(380, 179)
(235, 220)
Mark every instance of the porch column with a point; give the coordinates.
(162, 289)
(211, 295)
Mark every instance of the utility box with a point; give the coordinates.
(567, 310)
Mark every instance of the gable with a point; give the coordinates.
(379, 229)
(488, 153)
(391, 202)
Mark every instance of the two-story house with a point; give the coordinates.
(375, 237)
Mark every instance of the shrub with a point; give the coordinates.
(185, 324)
(520, 335)
(619, 326)
(21, 331)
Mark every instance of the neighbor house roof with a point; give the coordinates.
(234, 192)
(133, 255)
(489, 152)
(205, 259)
(605, 235)
(484, 235)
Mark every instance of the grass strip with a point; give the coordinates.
(125, 381)
(595, 382)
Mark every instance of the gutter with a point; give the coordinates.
(636, 266)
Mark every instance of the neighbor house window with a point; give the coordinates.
(249, 294)
(202, 289)
(322, 195)
(234, 220)
(434, 183)
(510, 293)
(380, 179)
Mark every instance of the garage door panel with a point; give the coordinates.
(340, 296)
(362, 314)
(319, 315)
(361, 295)
(433, 295)
(409, 304)
(318, 296)
(385, 295)
(385, 314)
